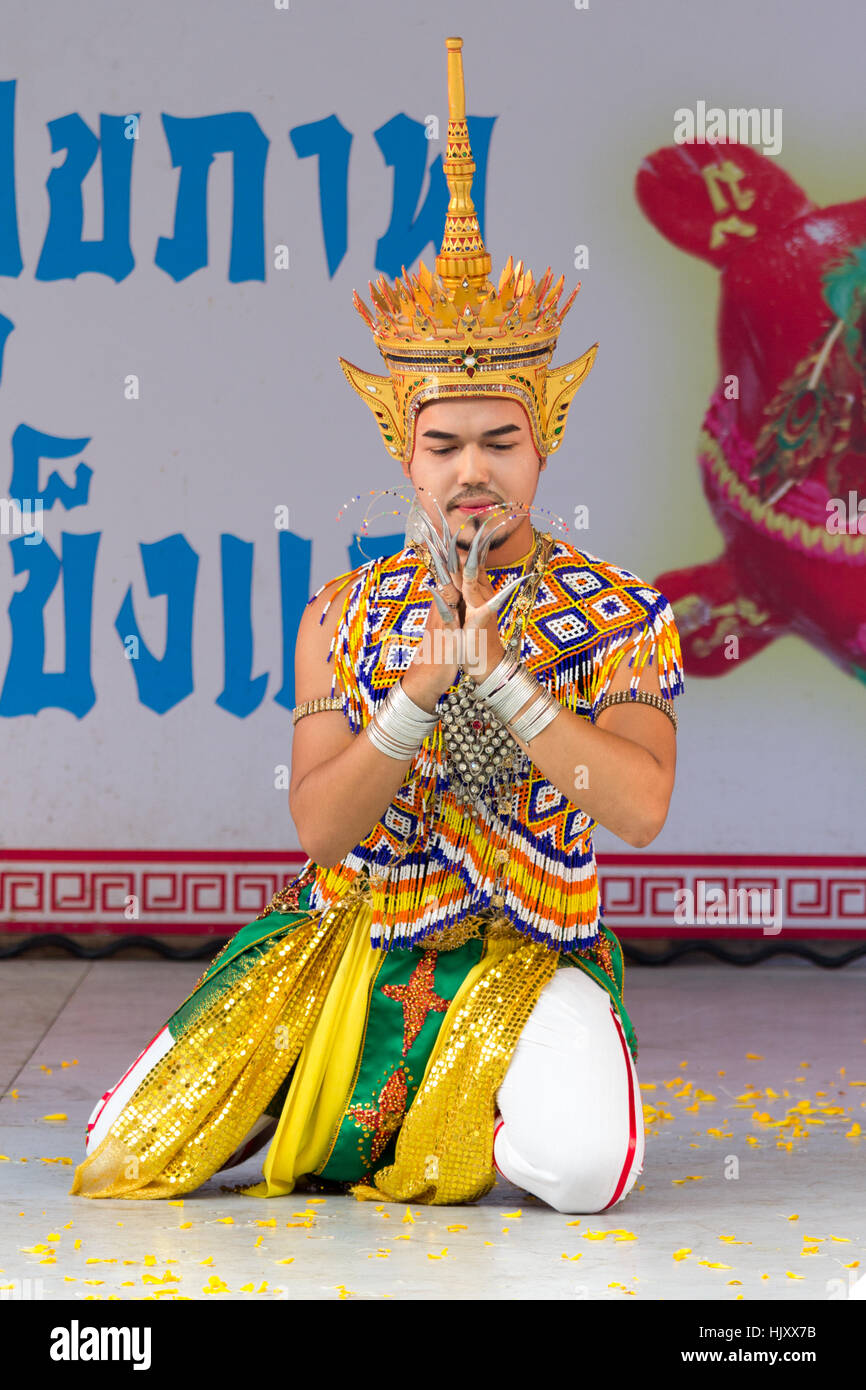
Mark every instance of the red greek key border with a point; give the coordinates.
(215, 892)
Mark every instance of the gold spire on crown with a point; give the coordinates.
(453, 333)
(462, 254)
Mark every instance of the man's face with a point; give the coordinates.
(469, 453)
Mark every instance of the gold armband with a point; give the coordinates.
(648, 697)
(314, 706)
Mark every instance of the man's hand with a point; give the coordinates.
(482, 646)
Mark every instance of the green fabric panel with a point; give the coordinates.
(241, 954)
(382, 1053)
(602, 978)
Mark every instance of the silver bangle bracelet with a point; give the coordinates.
(399, 726)
(398, 751)
(497, 676)
(519, 688)
(541, 713)
(412, 713)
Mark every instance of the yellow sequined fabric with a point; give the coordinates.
(444, 1152)
(306, 999)
(201, 1099)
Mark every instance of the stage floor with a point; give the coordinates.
(755, 1209)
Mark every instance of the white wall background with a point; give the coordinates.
(244, 405)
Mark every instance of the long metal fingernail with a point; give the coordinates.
(478, 549)
(488, 536)
(441, 572)
(453, 566)
(495, 603)
(446, 529)
(446, 613)
(470, 569)
(428, 534)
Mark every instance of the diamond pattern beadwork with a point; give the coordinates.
(434, 851)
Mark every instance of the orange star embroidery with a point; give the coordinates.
(418, 998)
(389, 1114)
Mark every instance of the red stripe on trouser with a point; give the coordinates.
(108, 1094)
(632, 1119)
(495, 1164)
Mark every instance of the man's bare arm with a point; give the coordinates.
(629, 756)
(341, 784)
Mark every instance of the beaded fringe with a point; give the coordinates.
(446, 870)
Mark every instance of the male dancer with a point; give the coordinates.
(446, 997)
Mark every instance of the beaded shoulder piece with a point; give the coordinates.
(429, 861)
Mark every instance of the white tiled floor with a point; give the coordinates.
(694, 1021)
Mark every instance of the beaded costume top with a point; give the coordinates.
(430, 861)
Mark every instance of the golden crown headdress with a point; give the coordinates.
(454, 333)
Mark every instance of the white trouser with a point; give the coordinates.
(571, 1129)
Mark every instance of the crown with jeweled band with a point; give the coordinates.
(453, 333)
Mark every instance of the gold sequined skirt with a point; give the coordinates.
(197, 1104)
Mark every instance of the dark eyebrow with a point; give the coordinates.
(443, 434)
